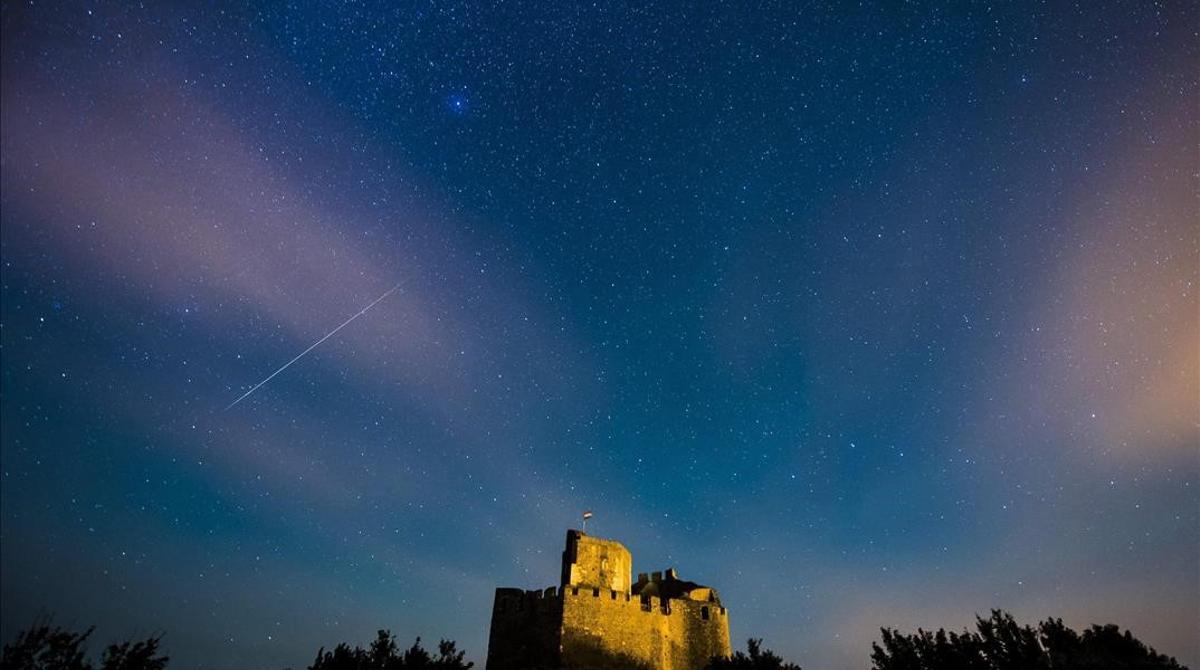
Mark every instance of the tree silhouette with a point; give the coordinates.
(385, 654)
(44, 646)
(755, 659)
(134, 656)
(1000, 643)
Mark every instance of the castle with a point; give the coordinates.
(599, 619)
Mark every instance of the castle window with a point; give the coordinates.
(595, 593)
(614, 595)
(704, 613)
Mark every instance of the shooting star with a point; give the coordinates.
(314, 346)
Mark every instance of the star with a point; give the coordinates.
(458, 104)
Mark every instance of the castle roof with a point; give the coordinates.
(670, 586)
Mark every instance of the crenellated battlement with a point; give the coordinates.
(596, 617)
(647, 603)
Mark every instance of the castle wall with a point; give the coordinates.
(596, 622)
(603, 628)
(700, 631)
(525, 631)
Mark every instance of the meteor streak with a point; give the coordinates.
(313, 346)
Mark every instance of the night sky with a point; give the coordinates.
(866, 316)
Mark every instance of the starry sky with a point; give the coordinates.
(867, 315)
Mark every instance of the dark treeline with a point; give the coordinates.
(754, 658)
(385, 654)
(45, 646)
(998, 642)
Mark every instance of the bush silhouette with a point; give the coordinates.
(44, 646)
(755, 659)
(384, 654)
(1000, 643)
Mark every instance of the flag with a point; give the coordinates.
(587, 515)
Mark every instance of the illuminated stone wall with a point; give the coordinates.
(626, 631)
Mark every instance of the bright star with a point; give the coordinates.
(458, 103)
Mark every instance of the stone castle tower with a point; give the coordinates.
(599, 619)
